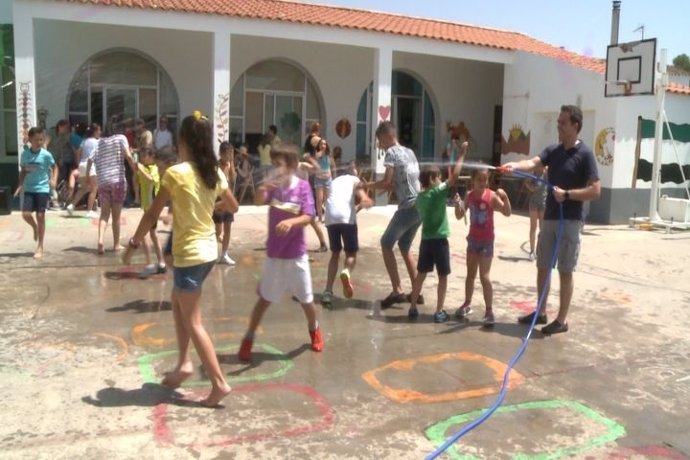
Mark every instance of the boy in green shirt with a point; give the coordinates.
(433, 249)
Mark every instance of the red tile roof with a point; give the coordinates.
(350, 18)
(677, 88)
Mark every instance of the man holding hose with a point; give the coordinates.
(575, 179)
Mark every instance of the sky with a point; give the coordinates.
(583, 26)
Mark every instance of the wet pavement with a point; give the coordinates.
(84, 342)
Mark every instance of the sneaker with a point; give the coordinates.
(245, 353)
(327, 298)
(489, 320)
(556, 327)
(527, 319)
(226, 259)
(412, 314)
(441, 316)
(348, 289)
(148, 271)
(316, 339)
(392, 299)
(322, 248)
(420, 299)
(70, 209)
(463, 311)
(161, 269)
(92, 215)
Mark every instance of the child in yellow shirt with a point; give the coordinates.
(149, 185)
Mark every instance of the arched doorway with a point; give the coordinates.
(273, 92)
(412, 113)
(115, 87)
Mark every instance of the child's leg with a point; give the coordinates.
(184, 368)
(310, 314)
(219, 229)
(484, 276)
(255, 319)
(332, 268)
(416, 289)
(29, 219)
(319, 203)
(225, 245)
(41, 225)
(117, 211)
(441, 292)
(103, 223)
(157, 246)
(92, 187)
(350, 261)
(319, 233)
(147, 249)
(472, 265)
(190, 310)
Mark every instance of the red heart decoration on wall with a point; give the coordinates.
(384, 112)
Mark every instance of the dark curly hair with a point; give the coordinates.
(197, 135)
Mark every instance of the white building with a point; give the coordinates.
(254, 63)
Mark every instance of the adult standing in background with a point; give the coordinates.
(162, 137)
(575, 179)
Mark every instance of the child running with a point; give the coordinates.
(341, 224)
(286, 268)
(192, 186)
(149, 186)
(37, 176)
(165, 158)
(224, 219)
(537, 204)
(434, 249)
(481, 201)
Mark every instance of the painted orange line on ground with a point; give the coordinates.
(124, 348)
(141, 337)
(404, 395)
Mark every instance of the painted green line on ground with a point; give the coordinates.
(148, 373)
(438, 433)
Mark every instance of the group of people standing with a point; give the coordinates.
(197, 187)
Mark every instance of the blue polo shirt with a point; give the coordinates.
(38, 166)
(568, 169)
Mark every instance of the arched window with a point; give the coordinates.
(273, 93)
(114, 88)
(412, 113)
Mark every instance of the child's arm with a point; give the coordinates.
(460, 206)
(284, 226)
(452, 180)
(142, 169)
(228, 202)
(364, 201)
(501, 202)
(262, 194)
(53, 176)
(22, 175)
(148, 220)
(307, 166)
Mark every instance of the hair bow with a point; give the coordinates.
(199, 116)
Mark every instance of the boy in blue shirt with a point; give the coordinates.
(37, 176)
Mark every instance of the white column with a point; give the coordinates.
(381, 107)
(662, 83)
(221, 87)
(24, 71)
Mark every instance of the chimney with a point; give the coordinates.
(615, 21)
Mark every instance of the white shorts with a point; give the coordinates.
(82, 170)
(292, 275)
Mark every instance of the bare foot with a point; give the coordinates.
(216, 396)
(175, 378)
(101, 249)
(118, 248)
(39, 253)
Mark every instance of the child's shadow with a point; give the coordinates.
(82, 249)
(258, 357)
(423, 318)
(142, 306)
(149, 395)
(506, 329)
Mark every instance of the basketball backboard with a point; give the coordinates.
(630, 68)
